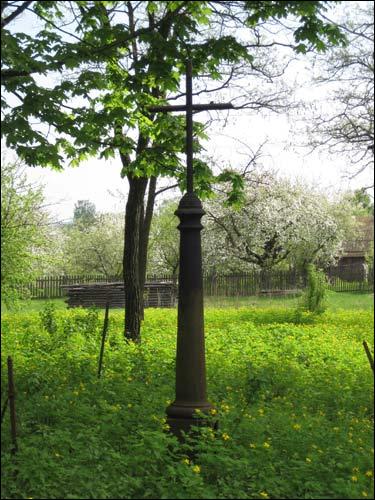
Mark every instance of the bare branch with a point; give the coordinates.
(15, 13)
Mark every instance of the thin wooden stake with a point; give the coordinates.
(3, 410)
(105, 328)
(369, 355)
(12, 406)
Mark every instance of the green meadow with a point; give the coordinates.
(293, 396)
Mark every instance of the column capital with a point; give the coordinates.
(190, 200)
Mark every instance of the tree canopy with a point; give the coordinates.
(106, 70)
(24, 225)
(280, 223)
(95, 248)
(84, 213)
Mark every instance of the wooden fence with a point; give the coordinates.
(234, 285)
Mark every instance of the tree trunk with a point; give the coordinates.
(133, 291)
(145, 226)
(137, 220)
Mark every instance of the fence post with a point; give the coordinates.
(105, 328)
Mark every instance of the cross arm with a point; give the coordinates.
(195, 107)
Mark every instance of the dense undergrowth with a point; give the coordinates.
(294, 401)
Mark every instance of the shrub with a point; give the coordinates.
(313, 299)
(48, 317)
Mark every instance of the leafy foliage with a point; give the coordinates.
(108, 72)
(24, 222)
(361, 202)
(84, 213)
(164, 245)
(47, 317)
(94, 247)
(314, 296)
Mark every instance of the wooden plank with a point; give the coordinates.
(159, 295)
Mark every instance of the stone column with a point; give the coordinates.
(191, 391)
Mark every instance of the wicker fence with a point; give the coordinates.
(344, 279)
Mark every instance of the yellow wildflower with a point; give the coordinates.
(355, 469)
(368, 473)
(196, 469)
(130, 405)
(252, 445)
(186, 461)
(296, 427)
(263, 494)
(225, 436)
(308, 460)
(210, 433)
(213, 411)
(266, 445)
(354, 479)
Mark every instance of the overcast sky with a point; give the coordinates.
(94, 179)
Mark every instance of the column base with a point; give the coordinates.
(180, 426)
(181, 418)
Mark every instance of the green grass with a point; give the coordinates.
(294, 402)
(26, 306)
(335, 301)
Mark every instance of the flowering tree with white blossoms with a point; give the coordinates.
(163, 251)
(96, 248)
(280, 221)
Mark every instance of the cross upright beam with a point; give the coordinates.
(189, 127)
(189, 108)
(191, 393)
